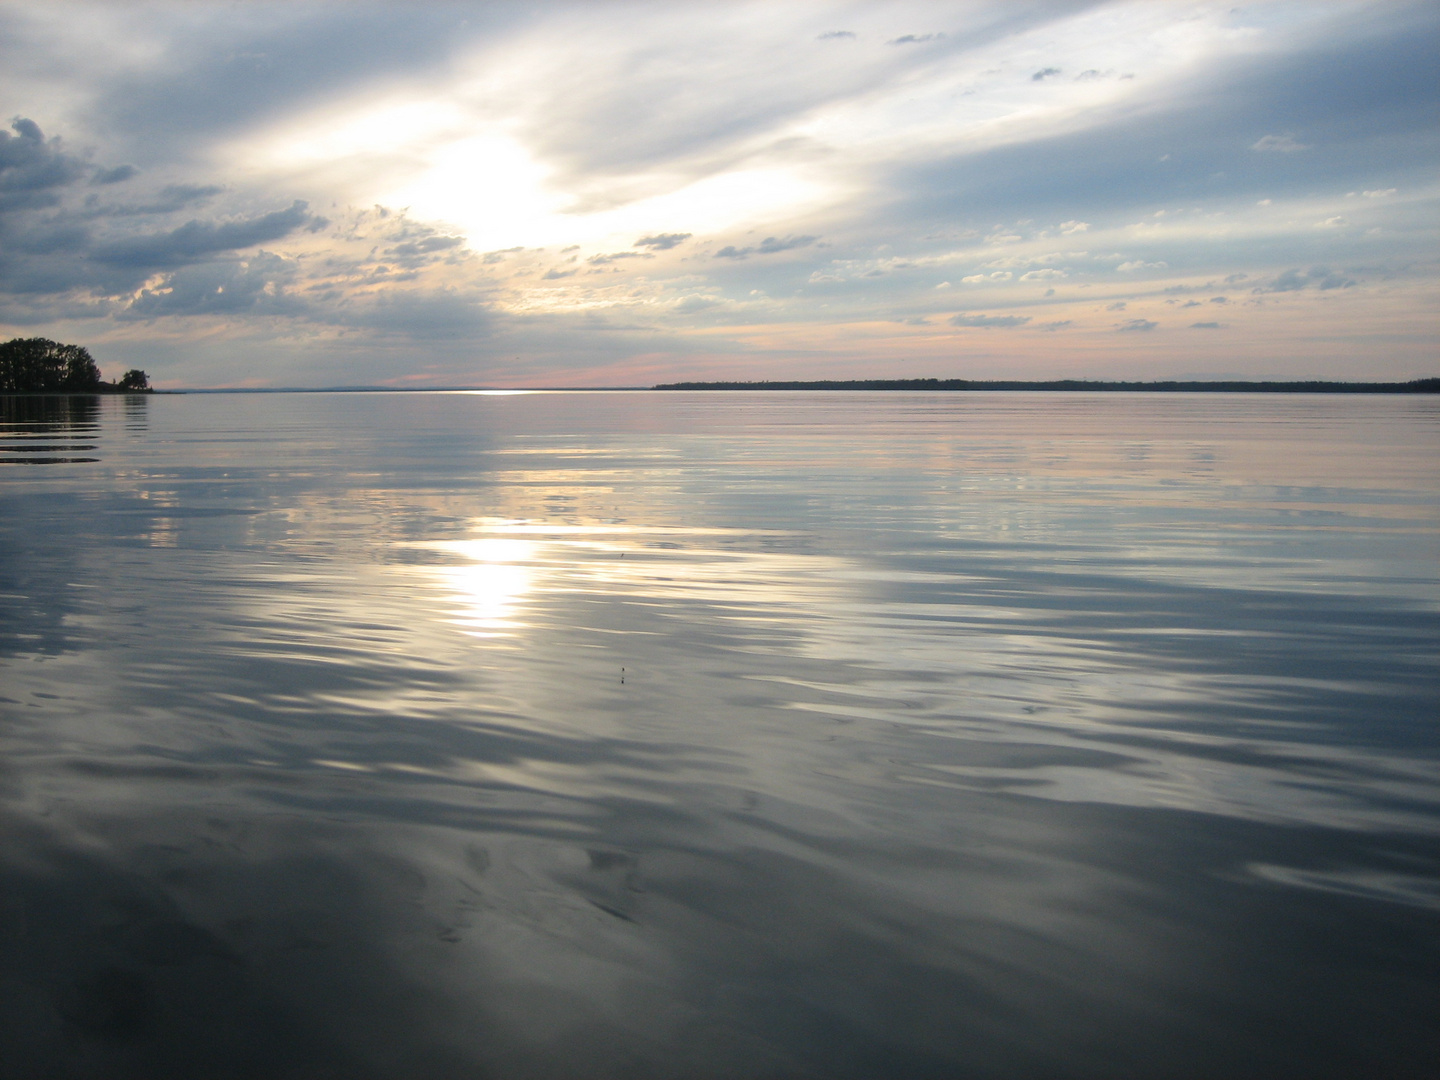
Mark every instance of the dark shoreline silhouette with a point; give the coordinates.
(1306, 386)
(41, 366)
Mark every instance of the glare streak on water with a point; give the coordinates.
(647, 734)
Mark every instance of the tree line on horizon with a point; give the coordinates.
(39, 365)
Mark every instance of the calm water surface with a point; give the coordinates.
(720, 735)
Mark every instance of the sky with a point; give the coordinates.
(413, 194)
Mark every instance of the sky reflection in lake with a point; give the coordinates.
(649, 734)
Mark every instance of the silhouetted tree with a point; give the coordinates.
(42, 364)
(134, 379)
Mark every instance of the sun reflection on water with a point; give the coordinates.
(490, 587)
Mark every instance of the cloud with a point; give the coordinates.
(987, 321)
(174, 197)
(914, 39)
(32, 168)
(769, 246)
(196, 239)
(1280, 144)
(1295, 280)
(615, 256)
(427, 245)
(662, 241)
(1058, 324)
(256, 286)
(1137, 325)
(498, 256)
(420, 314)
(662, 120)
(1118, 305)
(1206, 326)
(1047, 274)
(118, 175)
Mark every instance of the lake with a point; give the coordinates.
(754, 734)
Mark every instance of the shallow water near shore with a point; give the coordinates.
(717, 734)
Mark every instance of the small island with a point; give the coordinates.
(1306, 386)
(42, 366)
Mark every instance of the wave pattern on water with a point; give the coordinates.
(722, 735)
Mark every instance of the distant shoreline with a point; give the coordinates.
(1228, 386)
(1231, 386)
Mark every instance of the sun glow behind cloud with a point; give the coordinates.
(621, 193)
(437, 163)
(464, 153)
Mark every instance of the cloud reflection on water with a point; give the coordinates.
(942, 746)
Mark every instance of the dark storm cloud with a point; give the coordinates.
(662, 241)
(196, 239)
(66, 252)
(222, 288)
(32, 168)
(988, 321)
